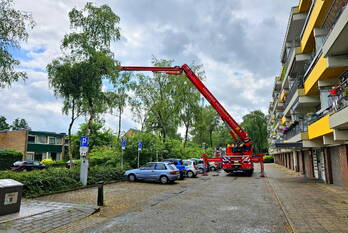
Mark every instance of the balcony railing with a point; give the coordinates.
(298, 83)
(334, 13)
(296, 128)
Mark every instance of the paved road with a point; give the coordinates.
(217, 203)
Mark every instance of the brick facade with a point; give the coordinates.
(15, 140)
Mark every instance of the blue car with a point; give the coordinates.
(179, 165)
(154, 171)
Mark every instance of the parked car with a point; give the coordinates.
(179, 165)
(191, 168)
(212, 166)
(199, 163)
(27, 166)
(154, 171)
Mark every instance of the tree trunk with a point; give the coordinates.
(119, 122)
(186, 134)
(73, 118)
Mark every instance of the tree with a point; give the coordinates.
(206, 121)
(187, 97)
(20, 124)
(78, 75)
(156, 94)
(255, 124)
(118, 98)
(13, 29)
(3, 123)
(99, 136)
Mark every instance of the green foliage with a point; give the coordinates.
(268, 159)
(3, 123)
(20, 124)
(45, 181)
(46, 161)
(58, 163)
(40, 182)
(156, 95)
(99, 137)
(255, 124)
(206, 121)
(104, 156)
(13, 29)
(8, 157)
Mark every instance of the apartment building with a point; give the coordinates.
(308, 121)
(35, 145)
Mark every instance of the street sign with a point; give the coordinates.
(83, 141)
(140, 145)
(124, 142)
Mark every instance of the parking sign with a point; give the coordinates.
(124, 142)
(140, 145)
(83, 141)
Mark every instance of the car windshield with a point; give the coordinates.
(187, 163)
(36, 163)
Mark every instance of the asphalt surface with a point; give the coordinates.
(217, 203)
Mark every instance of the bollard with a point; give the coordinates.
(100, 200)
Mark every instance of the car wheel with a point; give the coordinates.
(24, 170)
(213, 168)
(132, 178)
(164, 180)
(201, 170)
(190, 174)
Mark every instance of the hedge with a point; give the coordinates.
(8, 157)
(268, 159)
(40, 182)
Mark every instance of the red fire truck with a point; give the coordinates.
(239, 156)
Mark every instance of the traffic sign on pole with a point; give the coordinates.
(84, 141)
(140, 145)
(84, 161)
(124, 143)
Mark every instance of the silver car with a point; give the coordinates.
(154, 171)
(191, 168)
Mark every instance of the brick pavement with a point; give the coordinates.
(44, 216)
(310, 205)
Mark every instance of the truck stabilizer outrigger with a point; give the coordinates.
(238, 156)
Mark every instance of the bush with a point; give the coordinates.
(58, 163)
(46, 161)
(40, 182)
(8, 157)
(268, 159)
(104, 156)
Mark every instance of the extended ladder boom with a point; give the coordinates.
(225, 116)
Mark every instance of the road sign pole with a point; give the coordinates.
(122, 160)
(138, 157)
(84, 161)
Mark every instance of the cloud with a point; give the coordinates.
(238, 42)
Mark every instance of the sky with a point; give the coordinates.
(238, 42)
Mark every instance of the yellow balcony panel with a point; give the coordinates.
(316, 18)
(325, 68)
(304, 5)
(283, 95)
(319, 128)
(283, 120)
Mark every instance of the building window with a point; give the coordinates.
(52, 140)
(59, 141)
(42, 139)
(31, 139)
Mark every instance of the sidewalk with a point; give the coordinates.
(42, 216)
(309, 205)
